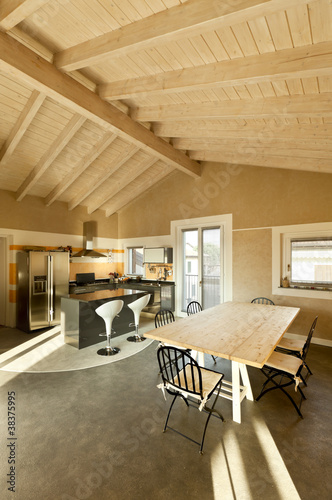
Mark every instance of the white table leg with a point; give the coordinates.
(246, 381)
(200, 360)
(236, 392)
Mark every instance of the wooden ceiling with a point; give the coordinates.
(101, 99)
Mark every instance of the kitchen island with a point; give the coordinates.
(81, 325)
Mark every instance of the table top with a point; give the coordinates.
(119, 293)
(243, 332)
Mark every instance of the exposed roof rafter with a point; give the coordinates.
(188, 19)
(55, 149)
(251, 157)
(133, 173)
(149, 178)
(12, 12)
(29, 112)
(315, 105)
(299, 62)
(22, 63)
(71, 177)
(118, 161)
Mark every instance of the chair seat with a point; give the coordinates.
(291, 345)
(183, 377)
(285, 363)
(210, 380)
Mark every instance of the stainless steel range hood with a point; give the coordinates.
(89, 232)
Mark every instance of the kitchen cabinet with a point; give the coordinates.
(162, 294)
(158, 255)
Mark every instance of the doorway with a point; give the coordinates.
(3, 280)
(203, 261)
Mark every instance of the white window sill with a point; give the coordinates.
(303, 292)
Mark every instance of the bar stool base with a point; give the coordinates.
(108, 352)
(133, 338)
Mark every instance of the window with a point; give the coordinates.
(303, 253)
(135, 260)
(311, 261)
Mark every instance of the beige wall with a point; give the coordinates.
(31, 214)
(258, 198)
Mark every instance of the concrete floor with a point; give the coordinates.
(97, 434)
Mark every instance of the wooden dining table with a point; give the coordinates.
(242, 332)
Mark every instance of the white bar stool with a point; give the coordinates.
(137, 307)
(108, 312)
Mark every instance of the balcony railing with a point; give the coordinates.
(210, 290)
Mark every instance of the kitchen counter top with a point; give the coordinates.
(103, 294)
(82, 326)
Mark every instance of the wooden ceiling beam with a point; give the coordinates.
(29, 112)
(267, 151)
(300, 62)
(113, 166)
(321, 165)
(12, 12)
(311, 105)
(191, 18)
(219, 130)
(22, 63)
(254, 142)
(145, 181)
(131, 174)
(47, 159)
(71, 177)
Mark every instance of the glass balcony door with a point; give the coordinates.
(202, 266)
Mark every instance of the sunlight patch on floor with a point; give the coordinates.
(28, 353)
(278, 471)
(255, 472)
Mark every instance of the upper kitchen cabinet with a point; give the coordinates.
(158, 255)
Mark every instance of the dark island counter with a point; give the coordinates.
(81, 325)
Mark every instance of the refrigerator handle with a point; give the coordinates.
(50, 288)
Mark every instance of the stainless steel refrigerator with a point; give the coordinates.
(42, 279)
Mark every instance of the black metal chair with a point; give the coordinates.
(263, 300)
(298, 348)
(195, 307)
(185, 378)
(163, 317)
(282, 370)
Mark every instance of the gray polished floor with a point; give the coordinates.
(97, 434)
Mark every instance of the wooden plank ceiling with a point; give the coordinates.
(101, 99)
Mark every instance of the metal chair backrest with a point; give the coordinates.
(194, 307)
(262, 300)
(163, 317)
(172, 361)
(307, 342)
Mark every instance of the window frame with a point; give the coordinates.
(312, 283)
(281, 258)
(129, 255)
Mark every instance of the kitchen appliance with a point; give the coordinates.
(89, 233)
(87, 283)
(42, 279)
(159, 255)
(85, 278)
